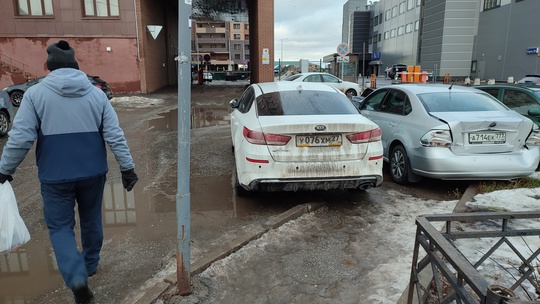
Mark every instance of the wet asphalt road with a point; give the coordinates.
(140, 226)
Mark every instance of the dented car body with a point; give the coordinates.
(451, 132)
(291, 136)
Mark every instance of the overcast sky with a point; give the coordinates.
(307, 29)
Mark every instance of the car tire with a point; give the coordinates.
(16, 98)
(350, 93)
(399, 165)
(4, 124)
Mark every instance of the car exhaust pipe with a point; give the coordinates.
(365, 186)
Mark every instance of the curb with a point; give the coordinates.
(168, 285)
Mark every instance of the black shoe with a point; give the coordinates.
(83, 295)
(92, 273)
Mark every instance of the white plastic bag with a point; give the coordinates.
(13, 231)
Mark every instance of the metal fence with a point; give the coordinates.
(446, 275)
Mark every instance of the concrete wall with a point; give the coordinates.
(504, 35)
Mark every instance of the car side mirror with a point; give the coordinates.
(234, 103)
(534, 111)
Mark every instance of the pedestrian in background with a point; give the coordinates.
(71, 120)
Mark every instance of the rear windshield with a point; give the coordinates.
(460, 102)
(304, 103)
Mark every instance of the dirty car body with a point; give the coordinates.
(451, 132)
(302, 136)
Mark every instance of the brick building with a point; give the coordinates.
(112, 40)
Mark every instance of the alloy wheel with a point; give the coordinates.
(16, 98)
(4, 124)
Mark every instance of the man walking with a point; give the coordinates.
(71, 120)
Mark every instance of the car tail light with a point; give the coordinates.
(534, 138)
(365, 137)
(260, 138)
(437, 138)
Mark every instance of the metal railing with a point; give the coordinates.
(14, 65)
(451, 276)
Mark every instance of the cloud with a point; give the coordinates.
(309, 29)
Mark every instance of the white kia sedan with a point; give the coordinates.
(349, 88)
(451, 132)
(290, 136)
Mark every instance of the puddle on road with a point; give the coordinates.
(200, 117)
(31, 272)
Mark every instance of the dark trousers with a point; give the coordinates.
(59, 210)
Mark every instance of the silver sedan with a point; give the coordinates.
(451, 132)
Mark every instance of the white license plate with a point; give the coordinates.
(326, 140)
(487, 138)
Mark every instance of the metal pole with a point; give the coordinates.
(183, 197)
(363, 64)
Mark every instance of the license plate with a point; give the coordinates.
(321, 140)
(487, 138)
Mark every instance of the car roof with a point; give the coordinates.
(525, 86)
(269, 87)
(431, 88)
(312, 73)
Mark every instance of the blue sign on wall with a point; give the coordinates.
(532, 50)
(376, 56)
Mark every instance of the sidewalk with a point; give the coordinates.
(310, 254)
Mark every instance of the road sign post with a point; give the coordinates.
(342, 50)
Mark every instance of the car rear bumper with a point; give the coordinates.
(287, 176)
(441, 163)
(284, 184)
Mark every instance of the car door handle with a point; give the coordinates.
(393, 124)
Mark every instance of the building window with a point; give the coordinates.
(392, 33)
(246, 26)
(236, 26)
(101, 8)
(246, 37)
(246, 47)
(489, 4)
(376, 20)
(402, 8)
(408, 28)
(410, 4)
(386, 35)
(418, 2)
(237, 47)
(474, 65)
(394, 11)
(417, 25)
(379, 37)
(237, 56)
(387, 15)
(400, 30)
(236, 36)
(35, 7)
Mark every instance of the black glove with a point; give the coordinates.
(129, 178)
(4, 178)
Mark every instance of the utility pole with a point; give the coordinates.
(183, 197)
(281, 58)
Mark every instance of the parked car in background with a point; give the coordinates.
(16, 91)
(349, 88)
(290, 136)
(6, 113)
(396, 68)
(522, 98)
(531, 79)
(451, 132)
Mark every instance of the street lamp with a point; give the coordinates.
(281, 58)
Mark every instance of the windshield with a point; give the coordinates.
(304, 102)
(460, 102)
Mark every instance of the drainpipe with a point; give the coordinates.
(137, 30)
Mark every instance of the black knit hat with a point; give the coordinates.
(61, 55)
